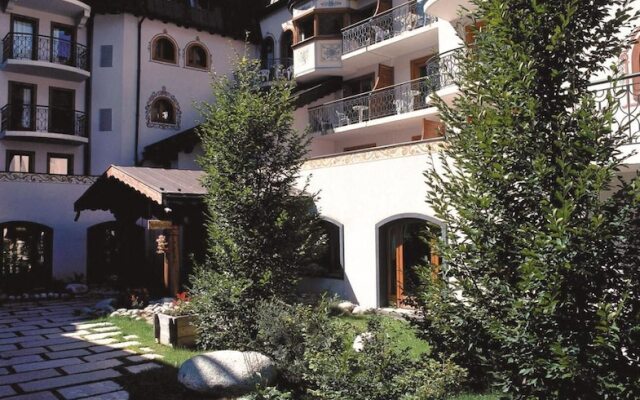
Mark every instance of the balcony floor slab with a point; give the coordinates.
(46, 69)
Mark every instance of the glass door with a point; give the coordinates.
(22, 98)
(24, 38)
(61, 111)
(62, 39)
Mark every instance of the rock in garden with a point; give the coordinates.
(77, 288)
(361, 340)
(346, 306)
(227, 373)
(359, 310)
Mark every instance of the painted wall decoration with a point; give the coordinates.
(157, 110)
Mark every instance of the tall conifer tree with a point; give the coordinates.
(541, 278)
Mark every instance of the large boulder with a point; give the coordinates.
(227, 373)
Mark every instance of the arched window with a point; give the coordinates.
(268, 53)
(164, 49)
(26, 255)
(328, 264)
(197, 56)
(163, 112)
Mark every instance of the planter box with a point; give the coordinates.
(175, 331)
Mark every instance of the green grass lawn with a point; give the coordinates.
(162, 383)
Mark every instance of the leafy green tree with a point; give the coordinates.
(541, 286)
(262, 230)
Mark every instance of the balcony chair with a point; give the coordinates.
(380, 34)
(343, 119)
(264, 75)
(399, 105)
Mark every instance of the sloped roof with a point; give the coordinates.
(158, 185)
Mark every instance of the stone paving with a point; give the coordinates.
(47, 352)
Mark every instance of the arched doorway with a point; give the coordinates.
(328, 263)
(115, 254)
(26, 255)
(404, 244)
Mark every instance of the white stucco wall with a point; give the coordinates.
(115, 87)
(50, 203)
(363, 193)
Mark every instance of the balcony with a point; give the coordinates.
(75, 9)
(317, 57)
(395, 107)
(43, 124)
(450, 10)
(274, 69)
(390, 34)
(44, 56)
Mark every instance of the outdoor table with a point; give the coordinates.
(360, 109)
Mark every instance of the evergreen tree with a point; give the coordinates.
(262, 230)
(540, 285)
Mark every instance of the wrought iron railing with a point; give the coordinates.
(276, 68)
(26, 46)
(393, 100)
(625, 91)
(18, 117)
(397, 99)
(384, 26)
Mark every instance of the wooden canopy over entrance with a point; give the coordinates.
(172, 202)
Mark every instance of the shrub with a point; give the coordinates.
(316, 360)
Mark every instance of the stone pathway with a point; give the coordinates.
(49, 353)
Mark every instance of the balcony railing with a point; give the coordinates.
(393, 100)
(389, 24)
(626, 93)
(18, 117)
(277, 68)
(26, 46)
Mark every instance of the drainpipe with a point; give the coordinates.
(137, 131)
(87, 98)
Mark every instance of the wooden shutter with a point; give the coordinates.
(385, 76)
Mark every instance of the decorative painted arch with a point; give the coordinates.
(153, 56)
(164, 95)
(209, 56)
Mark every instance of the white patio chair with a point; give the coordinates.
(343, 119)
(264, 75)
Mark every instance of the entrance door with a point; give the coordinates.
(61, 110)
(24, 38)
(22, 97)
(115, 254)
(403, 248)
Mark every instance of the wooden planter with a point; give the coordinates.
(175, 331)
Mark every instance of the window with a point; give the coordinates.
(162, 111)
(62, 44)
(197, 57)
(20, 161)
(104, 120)
(106, 56)
(26, 255)
(59, 164)
(305, 29)
(267, 53)
(164, 50)
(329, 261)
(330, 24)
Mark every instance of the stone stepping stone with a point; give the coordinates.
(122, 345)
(130, 337)
(121, 395)
(28, 376)
(105, 329)
(47, 364)
(144, 357)
(91, 389)
(34, 396)
(96, 336)
(6, 391)
(91, 326)
(68, 353)
(107, 355)
(95, 366)
(136, 369)
(146, 349)
(51, 383)
(20, 360)
(105, 341)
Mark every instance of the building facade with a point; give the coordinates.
(366, 72)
